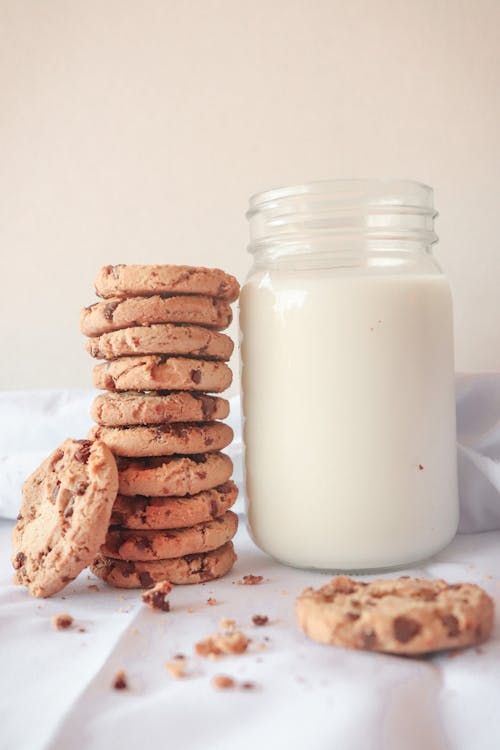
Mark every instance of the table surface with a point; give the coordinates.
(55, 686)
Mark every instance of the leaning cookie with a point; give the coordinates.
(129, 281)
(403, 616)
(136, 408)
(162, 544)
(64, 515)
(167, 338)
(173, 475)
(139, 512)
(160, 373)
(205, 566)
(132, 311)
(164, 440)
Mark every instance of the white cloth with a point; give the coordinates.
(35, 422)
(55, 686)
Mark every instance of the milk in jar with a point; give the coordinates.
(348, 378)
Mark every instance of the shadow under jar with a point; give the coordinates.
(348, 377)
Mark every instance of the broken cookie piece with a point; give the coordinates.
(156, 597)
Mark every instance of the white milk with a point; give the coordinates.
(349, 417)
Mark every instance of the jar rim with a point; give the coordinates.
(368, 192)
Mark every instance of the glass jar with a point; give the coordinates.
(348, 377)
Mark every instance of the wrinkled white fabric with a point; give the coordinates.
(55, 686)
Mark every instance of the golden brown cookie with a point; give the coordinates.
(160, 372)
(133, 311)
(400, 616)
(133, 407)
(165, 338)
(164, 440)
(172, 475)
(163, 544)
(139, 512)
(64, 515)
(205, 566)
(129, 281)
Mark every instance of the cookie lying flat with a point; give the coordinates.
(164, 440)
(133, 407)
(152, 373)
(129, 281)
(133, 311)
(402, 616)
(64, 515)
(167, 338)
(127, 544)
(173, 476)
(205, 566)
(140, 512)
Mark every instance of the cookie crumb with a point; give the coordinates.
(211, 601)
(120, 681)
(420, 467)
(227, 624)
(62, 622)
(260, 619)
(177, 668)
(223, 682)
(93, 587)
(134, 631)
(251, 580)
(248, 686)
(156, 597)
(82, 630)
(232, 642)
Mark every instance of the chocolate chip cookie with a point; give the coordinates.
(173, 475)
(402, 616)
(153, 373)
(131, 281)
(164, 440)
(165, 338)
(139, 512)
(64, 515)
(197, 568)
(128, 544)
(133, 311)
(134, 408)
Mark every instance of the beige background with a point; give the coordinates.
(135, 132)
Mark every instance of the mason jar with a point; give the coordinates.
(348, 377)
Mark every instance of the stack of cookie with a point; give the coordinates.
(158, 329)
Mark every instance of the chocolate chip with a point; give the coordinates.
(451, 624)
(207, 407)
(352, 616)
(405, 628)
(141, 542)
(158, 601)
(145, 579)
(83, 452)
(55, 491)
(81, 488)
(19, 560)
(214, 508)
(196, 376)
(68, 511)
(127, 568)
